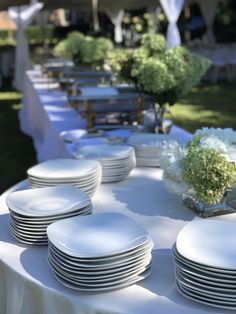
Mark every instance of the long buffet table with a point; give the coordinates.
(45, 114)
(27, 284)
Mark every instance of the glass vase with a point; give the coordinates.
(205, 210)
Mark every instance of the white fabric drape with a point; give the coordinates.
(116, 16)
(22, 16)
(172, 9)
(96, 25)
(208, 9)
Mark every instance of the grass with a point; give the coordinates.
(208, 105)
(17, 153)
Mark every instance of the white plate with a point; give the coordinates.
(149, 139)
(91, 175)
(65, 169)
(102, 282)
(191, 243)
(98, 275)
(73, 135)
(208, 280)
(75, 286)
(204, 300)
(84, 184)
(206, 294)
(106, 152)
(206, 290)
(204, 282)
(87, 236)
(37, 226)
(36, 236)
(204, 272)
(28, 221)
(47, 201)
(200, 267)
(99, 268)
(105, 262)
(28, 241)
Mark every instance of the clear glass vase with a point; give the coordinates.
(207, 210)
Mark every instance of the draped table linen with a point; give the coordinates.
(28, 286)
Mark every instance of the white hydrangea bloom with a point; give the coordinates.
(225, 135)
(212, 142)
(221, 139)
(171, 158)
(172, 186)
(231, 152)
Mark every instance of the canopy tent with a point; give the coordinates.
(22, 16)
(114, 10)
(5, 4)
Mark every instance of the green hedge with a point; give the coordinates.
(33, 34)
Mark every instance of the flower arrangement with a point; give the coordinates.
(164, 74)
(204, 168)
(84, 50)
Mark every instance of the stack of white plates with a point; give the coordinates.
(84, 174)
(205, 260)
(116, 160)
(147, 148)
(99, 252)
(31, 211)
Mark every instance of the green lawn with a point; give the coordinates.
(208, 105)
(17, 153)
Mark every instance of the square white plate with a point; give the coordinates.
(87, 236)
(49, 201)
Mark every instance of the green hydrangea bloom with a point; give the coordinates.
(85, 50)
(74, 41)
(165, 74)
(154, 43)
(154, 76)
(61, 50)
(209, 173)
(102, 47)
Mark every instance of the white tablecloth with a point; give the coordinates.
(27, 285)
(45, 114)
